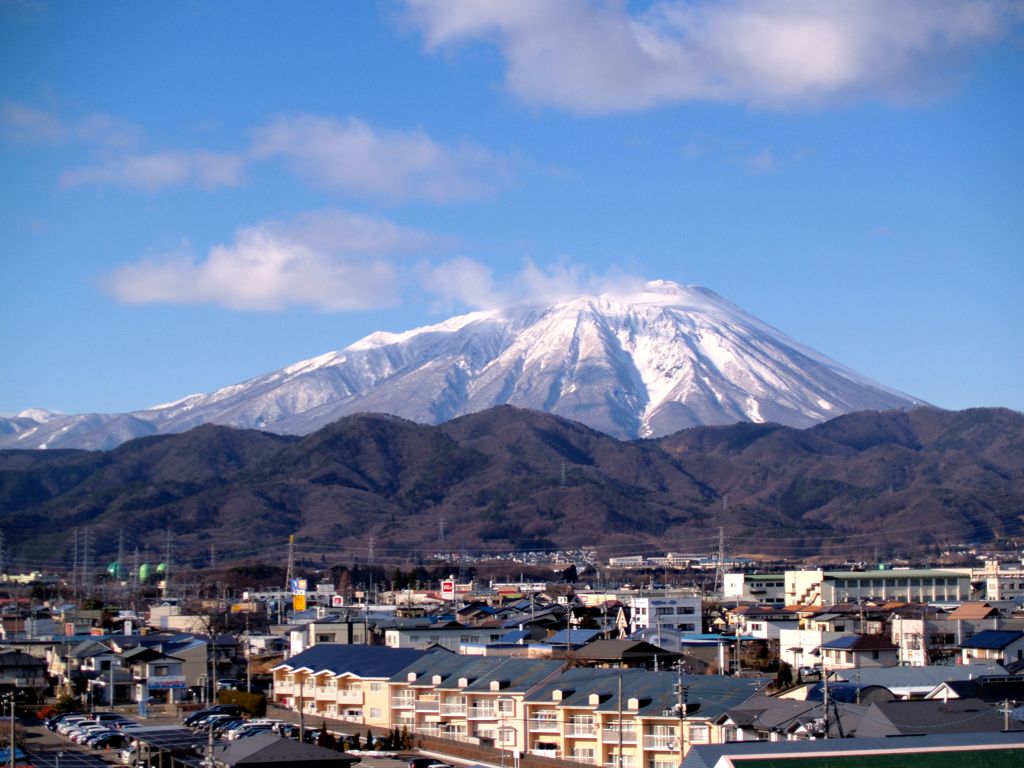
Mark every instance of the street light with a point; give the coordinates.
(10, 698)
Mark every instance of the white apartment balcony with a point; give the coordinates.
(325, 692)
(350, 696)
(482, 713)
(660, 741)
(586, 730)
(403, 702)
(554, 753)
(611, 735)
(544, 725)
(428, 706)
(453, 709)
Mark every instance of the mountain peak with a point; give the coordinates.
(641, 361)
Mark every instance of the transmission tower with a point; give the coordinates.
(213, 556)
(120, 555)
(86, 559)
(563, 475)
(74, 566)
(720, 570)
(169, 553)
(289, 573)
(3, 549)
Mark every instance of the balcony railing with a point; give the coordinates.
(546, 753)
(611, 735)
(453, 709)
(580, 729)
(402, 702)
(544, 725)
(482, 713)
(660, 741)
(428, 706)
(350, 695)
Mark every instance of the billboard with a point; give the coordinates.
(166, 682)
(298, 586)
(448, 589)
(337, 601)
(298, 602)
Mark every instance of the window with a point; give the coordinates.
(699, 734)
(688, 627)
(376, 687)
(375, 713)
(687, 610)
(161, 671)
(507, 706)
(325, 638)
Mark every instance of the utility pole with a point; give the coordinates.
(824, 693)
(682, 705)
(618, 696)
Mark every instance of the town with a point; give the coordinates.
(621, 672)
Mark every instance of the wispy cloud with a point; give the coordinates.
(333, 261)
(468, 283)
(602, 56)
(349, 156)
(353, 156)
(157, 170)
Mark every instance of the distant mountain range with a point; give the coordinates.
(896, 482)
(641, 365)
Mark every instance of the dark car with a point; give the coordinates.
(217, 709)
(109, 741)
(53, 722)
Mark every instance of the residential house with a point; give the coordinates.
(856, 651)
(156, 676)
(921, 717)
(993, 645)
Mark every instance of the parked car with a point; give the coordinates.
(68, 723)
(111, 740)
(216, 709)
(53, 722)
(249, 730)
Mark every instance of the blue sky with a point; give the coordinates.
(195, 193)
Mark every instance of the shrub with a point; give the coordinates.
(253, 703)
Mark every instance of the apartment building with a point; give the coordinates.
(817, 587)
(341, 681)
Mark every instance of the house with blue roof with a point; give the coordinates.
(1001, 646)
(856, 651)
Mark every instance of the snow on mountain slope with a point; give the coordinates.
(638, 365)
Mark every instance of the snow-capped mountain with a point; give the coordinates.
(639, 365)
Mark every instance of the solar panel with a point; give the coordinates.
(55, 758)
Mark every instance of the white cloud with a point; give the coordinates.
(28, 125)
(599, 56)
(157, 170)
(332, 261)
(24, 124)
(463, 281)
(353, 156)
